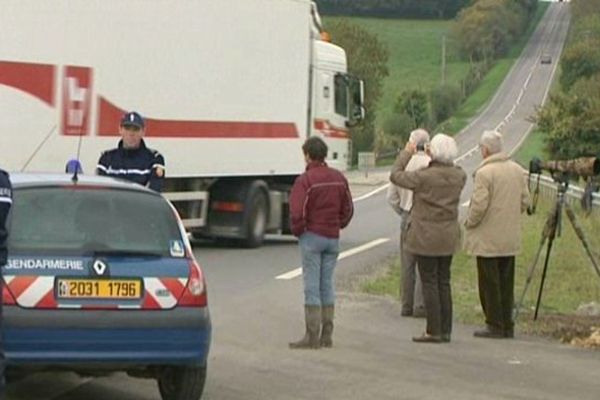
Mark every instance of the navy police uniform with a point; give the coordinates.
(5, 204)
(142, 165)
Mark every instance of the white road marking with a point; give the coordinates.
(466, 203)
(367, 246)
(371, 193)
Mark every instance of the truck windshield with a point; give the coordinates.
(341, 95)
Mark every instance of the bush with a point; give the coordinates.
(415, 104)
(398, 126)
(444, 101)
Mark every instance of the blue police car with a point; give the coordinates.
(101, 277)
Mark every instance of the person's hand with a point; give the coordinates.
(410, 147)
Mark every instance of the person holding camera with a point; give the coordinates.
(493, 232)
(433, 231)
(400, 200)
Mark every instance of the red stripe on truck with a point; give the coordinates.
(109, 116)
(35, 79)
(329, 130)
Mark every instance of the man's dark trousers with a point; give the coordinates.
(496, 277)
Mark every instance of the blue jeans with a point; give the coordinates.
(319, 256)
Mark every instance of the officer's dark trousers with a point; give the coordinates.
(496, 277)
(435, 276)
(2, 359)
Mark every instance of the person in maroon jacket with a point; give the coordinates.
(320, 205)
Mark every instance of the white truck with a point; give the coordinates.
(230, 89)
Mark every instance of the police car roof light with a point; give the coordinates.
(74, 167)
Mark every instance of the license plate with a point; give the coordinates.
(99, 288)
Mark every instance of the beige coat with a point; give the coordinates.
(500, 196)
(433, 228)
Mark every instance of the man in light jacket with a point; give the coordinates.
(400, 200)
(493, 232)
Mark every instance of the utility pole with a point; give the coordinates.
(443, 60)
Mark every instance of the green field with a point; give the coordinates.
(533, 146)
(415, 60)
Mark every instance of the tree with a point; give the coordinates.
(486, 30)
(444, 101)
(398, 126)
(580, 60)
(367, 59)
(394, 8)
(414, 103)
(571, 120)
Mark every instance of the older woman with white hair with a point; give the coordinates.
(433, 231)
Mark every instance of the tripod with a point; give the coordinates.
(553, 223)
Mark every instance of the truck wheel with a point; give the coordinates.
(181, 383)
(255, 223)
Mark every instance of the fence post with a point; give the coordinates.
(366, 162)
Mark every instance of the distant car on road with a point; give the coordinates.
(546, 58)
(101, 277)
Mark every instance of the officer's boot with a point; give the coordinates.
(327, 329)
(312, 315)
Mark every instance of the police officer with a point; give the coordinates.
(5, 203)
(132, 160)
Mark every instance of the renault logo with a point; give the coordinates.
(99, 267)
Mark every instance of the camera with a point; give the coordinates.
(582, 166)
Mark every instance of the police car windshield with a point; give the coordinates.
(82, 221)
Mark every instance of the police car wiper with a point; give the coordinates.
(124, 252)
(96, 249)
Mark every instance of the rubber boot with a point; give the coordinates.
(327, 329)
(312, 316)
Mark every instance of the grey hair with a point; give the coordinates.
(419, 136)
(443, 148)
(492, 141)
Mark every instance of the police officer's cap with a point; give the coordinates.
(132, 118)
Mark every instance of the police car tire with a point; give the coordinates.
(182, 383)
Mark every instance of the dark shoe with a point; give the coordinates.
(489, 333)
(311, 340)
(427, 338)
(406, 313)
(445, 337)
(419, 313)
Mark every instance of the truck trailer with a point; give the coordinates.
(229, 89)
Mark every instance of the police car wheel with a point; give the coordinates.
(181, 383)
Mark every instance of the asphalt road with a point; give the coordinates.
(256, 304)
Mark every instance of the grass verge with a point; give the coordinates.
(570, 281)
